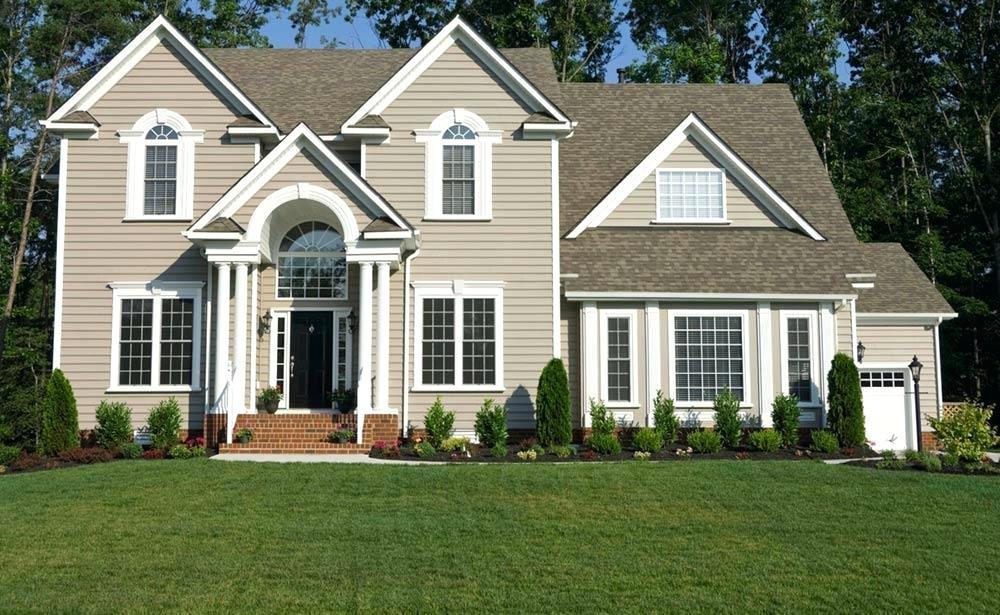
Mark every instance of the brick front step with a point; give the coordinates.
(305, 448)
(307, 433)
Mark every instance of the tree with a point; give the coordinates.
(846, 415)
(582, 35)
(60, 426)
(552, 406)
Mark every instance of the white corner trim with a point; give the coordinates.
(653, 356)
(57, 325)
(456, 30)
(591, 360)
(556, 316)
(302, 138)
(693, 127)
(765, 362)
(125, 60)
(815, 367)
(135, 138)
(828, 348)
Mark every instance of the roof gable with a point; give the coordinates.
(300, 140)
(158, 31)
(457, 31)
(694, 128)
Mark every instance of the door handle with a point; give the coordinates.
(291, 367)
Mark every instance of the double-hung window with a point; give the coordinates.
(618, 373)
(800, 356)
(690, 196)
(156, 333)
(458, 172)
(709, 355)
(459, 330)
(159, 174)
(160, 186)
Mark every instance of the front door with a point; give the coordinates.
(311, 360)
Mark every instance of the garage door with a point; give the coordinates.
(885, 398)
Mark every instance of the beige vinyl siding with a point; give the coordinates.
(896, 344)
(515, 247)
(570, 349)
(640, 208)
(100, 248)
(842, 322)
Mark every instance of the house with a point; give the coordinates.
(411, 224)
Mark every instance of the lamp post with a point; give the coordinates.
(915, 367)
(861, 352)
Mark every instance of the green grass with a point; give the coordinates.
(695, 536)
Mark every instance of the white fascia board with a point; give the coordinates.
(902, 318)
(615, 296)
(233, 236)
(456, 30)
(158, 30)
(378, 132)
(301, 138)
(693, 127)
(71, 129)
(262, 131)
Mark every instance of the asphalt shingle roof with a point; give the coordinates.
(900, 285)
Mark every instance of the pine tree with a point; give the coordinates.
(846, 417)
(60, 427)
(552, 406)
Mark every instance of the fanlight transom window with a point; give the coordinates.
(458, 190)
(312, 263)
(160, 193)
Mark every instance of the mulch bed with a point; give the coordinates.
(987, 468)
(88, 455)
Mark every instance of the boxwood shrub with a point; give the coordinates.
(824, 441)
(114, 424)
(491, 424)
(165, 424)
(438, 423)
(785, 416)
(704, 441)
(647, 440)
(728, 425)
(766, 440)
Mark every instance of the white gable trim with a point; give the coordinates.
(456, 30)
(300, 139)
(693, 127)
(152, 35)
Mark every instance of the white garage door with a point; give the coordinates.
(886, 417)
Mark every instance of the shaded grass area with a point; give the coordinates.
(702, 536)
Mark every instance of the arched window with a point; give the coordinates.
(312, 263)
(160, 193)
(458, 173)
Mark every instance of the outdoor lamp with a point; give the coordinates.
(352, 321)
(861, 352)
(915, 367)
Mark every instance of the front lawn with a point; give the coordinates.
(703, 536)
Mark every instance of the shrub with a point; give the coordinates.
(911, 456)
(527, 443)
(153, 453)
(386, 450)
(665, 419)
(60, 426)
(602, 420)
(438, 423)
(114, 424)
(562, 451)
(8, 454)
(766, 440)
(499, 450)
(552, 405)
(965, 431)
(785, 416)
(165, 424)
(491, 424)
(179, 451)
(589, 455)
(86, 455)
(641, 456)
(527, 455)
(26, 461)
(727, 418)
(647, 440)
(455, 444)
(704, 441)
(824, 441)
(928, 461)
(131, 450)
(950, 460)
(424, 449)
(197, 451)
(605, 443)
(891, 464)
(846, 414)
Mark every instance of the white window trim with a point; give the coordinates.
(433, 142)
(689, 221)
(136, 165)
(156, 292)
(457, 290)
(285, 314)
(671, 327)
(277, 268)
(633, 401)
(814, 352)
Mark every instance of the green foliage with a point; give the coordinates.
(269, 398)
(164, 424)
(438, 423)
(454, 444)
(60, 428)
(604, 443)
(8, 454)
(244, 435)
(179, 451)
(965, 431)
(602, 420)
(647, 440)
(665, 419)
(131, 450)
(552, 405)
(562, 452)
(704, 441)
(928, 461)
(766, 440)
(824, 441)
(491, 424)
(846, 416)
(498, 450)
(891, 464)
(528, 455)
(785, 416)
(424, 449)
(114, 424)
(728, 424)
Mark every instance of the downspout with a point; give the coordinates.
(404, 422)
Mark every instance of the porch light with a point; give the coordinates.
(264, 326)
(915, 367)
(861, 352)
(352, 321)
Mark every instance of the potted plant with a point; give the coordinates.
(345, 399)
(244, 435)
(342, 434)
(268, 399)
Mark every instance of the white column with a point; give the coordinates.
(221, 331)
(765, 364)
(365, 338)
(382, 341)
(591, 359)
(240, 341)
(827, 341)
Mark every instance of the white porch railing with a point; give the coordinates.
(224, 405)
